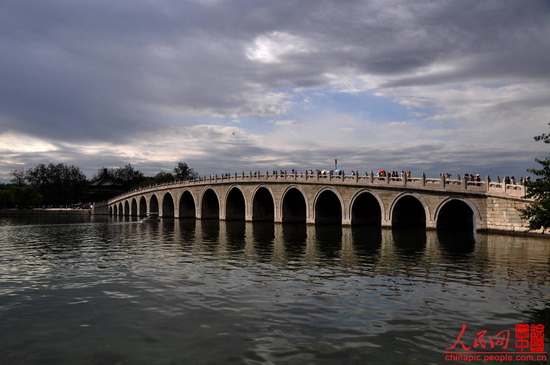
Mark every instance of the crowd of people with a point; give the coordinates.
(474, 178)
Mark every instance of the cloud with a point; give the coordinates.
(273, 47)
(153, 82)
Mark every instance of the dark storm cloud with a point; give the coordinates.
(98, 70)
(103, 71)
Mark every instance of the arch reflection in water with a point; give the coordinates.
(456, 242)
(294, 243)
(409, 241)
(263, 235)
(367, 243)
(187, 229)
(297, 244)
(328, 240)
(235, 233)
(294, 240)
(209, 234)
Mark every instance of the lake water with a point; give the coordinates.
(100, 290)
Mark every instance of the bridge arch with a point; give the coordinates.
(133, 208)
(263, 204)
(153, 204)
(409, 210)
(168, 205)
(120, 211)
(210, 204)
(114, 210)
(328, 207)
(142, 206)
(187, 205)
(457, 213)
(235, 204)
(366, 209)
(126, 208)
(293, 205)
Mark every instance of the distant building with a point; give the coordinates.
(103, 188)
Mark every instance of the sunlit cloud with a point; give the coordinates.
(20, 144)
(275, 46)
(233, 85)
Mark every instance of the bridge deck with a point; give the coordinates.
(484, 187)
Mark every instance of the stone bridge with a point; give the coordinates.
(332, 199)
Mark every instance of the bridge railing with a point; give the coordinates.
(507, 189)
(422, 182)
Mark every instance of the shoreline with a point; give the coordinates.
(40, 211)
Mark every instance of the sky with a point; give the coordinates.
(458, 86)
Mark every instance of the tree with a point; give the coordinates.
(163, 177)
(160, 178)
(128, 176)
(18, 177)
(25, 195)
(184, 172)
(543, 137)
(538, 212)
(57, 184)
(5, 198)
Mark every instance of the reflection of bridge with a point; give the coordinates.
(326, 199)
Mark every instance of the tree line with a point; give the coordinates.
(61, 184)
(538, 212)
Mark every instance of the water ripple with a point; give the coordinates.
(185, 291)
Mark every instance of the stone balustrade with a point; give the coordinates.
(420, 183)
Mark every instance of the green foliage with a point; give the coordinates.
(25, 195)
(127, 175)
(18, 176)
(543, 137)
(160, 178)
(57, 184)
(163, 177)
(538, 212)
(184, 172)
(19, 195)
(181, 172)
(5, 198)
